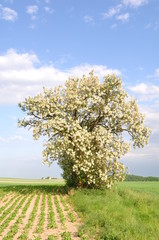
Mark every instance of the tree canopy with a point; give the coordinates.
(85, 123)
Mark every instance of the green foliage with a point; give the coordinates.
(140, 178)
(51, 215)
(84, 123)
(59, 210)
(40, 225)
(52, 237)
(66, 236)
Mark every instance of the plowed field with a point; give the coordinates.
(36, 213)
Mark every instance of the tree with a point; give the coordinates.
(86, 124)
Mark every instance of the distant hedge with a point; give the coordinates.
(140, 178)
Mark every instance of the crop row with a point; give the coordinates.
(6, 204)
(28, 214)
(13, 214)
(24, 235)
(15, 228)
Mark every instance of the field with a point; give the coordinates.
(41, 209)
(35, 182)
(36, 210)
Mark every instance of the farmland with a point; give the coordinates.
(41, 209)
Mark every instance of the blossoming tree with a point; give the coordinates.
(85, 123)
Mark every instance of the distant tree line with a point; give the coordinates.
(140, 178)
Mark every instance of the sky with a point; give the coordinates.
(42, 43)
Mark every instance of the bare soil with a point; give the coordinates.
(68, 226)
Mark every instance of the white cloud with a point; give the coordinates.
(123, 17)
(112, 11)
(11, 139)
(88, 19)
(148, 93)
(8, 14)
(48, 10)
(145, 91)
(32, 9)
(143, 88)
(152, 119)
(22, 75)
(16, 138)
(157, 72)
(99, 70)
(2, 139)
(135, 3)
(12, 60)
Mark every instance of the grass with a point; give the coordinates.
(143, 187)
(128, 211)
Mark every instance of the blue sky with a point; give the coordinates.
(44, 42)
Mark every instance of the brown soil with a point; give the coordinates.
(14, 220)
(7, 204)
(6, 199)
(8, 214)
(26, 218)
(67, 227)
(71, 227)
(31, 233)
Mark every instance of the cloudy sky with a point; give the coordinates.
(44, 42)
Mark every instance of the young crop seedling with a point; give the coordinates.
(12, 215)
(14, 229)
(66, 236)
(51, 215)
(69, 213)
(59, 210)
(24, 235)
(40, 225)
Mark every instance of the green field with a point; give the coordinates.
(128, 211)
(21, 181)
